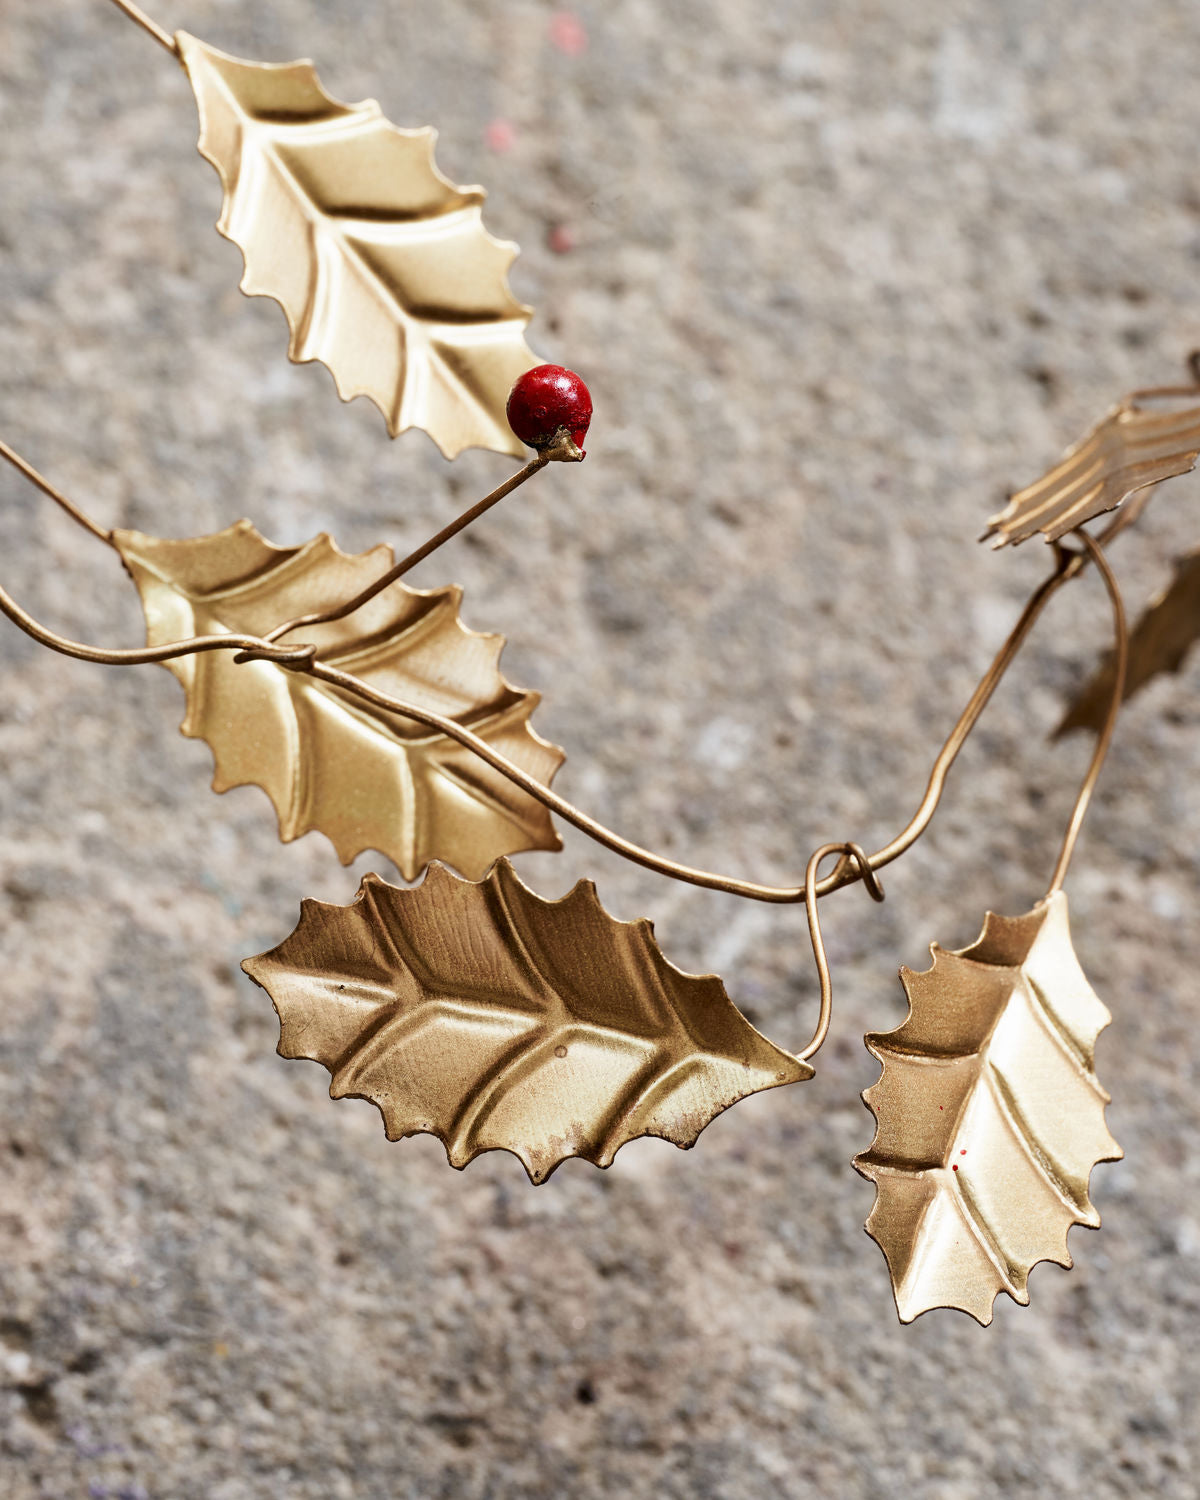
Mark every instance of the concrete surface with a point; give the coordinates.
(842, 274)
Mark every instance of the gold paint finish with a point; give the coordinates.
(419, 554)
(989, 1117)
(475, 1010)
(495, 1020)
(1158, 643)
(363, 775)
(854, 864)
(380, 263)
(1104, 738)
(1134, 447)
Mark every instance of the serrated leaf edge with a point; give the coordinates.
(584, 888)
(370, 108)
(877, 1040)
(453, 592)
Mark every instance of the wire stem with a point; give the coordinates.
(851, 867)
(1104, 739)
(135, 13)
(854, 853)
(57, 496)
(959, 735)
(302, 658)
(413, 558)
(286, 656)
(551, 800)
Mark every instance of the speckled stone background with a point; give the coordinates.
(841, 274)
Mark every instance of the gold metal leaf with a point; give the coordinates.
(380, 263)
(1159, 642)
(365, 778)
(495, 1020)
(989, 1117)
(1131, 449)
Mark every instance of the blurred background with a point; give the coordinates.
(839, 277)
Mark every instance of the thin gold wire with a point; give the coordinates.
(967, 720)
(135, 13)
(1104, 739)
(551, 800)
(413, 558)
(302, 658)
(286, 656)
(856, 854)
(847, 871)
(853, 854)
(854, 863)
(56, 495)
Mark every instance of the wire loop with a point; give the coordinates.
(858, 856)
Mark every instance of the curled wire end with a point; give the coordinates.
(853, 856)
(857, 855)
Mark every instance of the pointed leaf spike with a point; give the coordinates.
(495, 1020)
(365, 778)
(989, 1117)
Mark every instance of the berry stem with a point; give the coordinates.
(43, 484)
(163, 38)
(385, 580)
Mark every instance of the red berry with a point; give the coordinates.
(546, 399)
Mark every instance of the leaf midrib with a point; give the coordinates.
(251, 128)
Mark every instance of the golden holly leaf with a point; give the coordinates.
(989, 1117)
(366, 778)
(1132, 448)
(494, 1020)
(380, 263)
(1159, 642)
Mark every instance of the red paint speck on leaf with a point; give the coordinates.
(963, 1152)
(954, 1168)
(568, 35)
(561, 239)
(500, 136)
(941, 1106)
